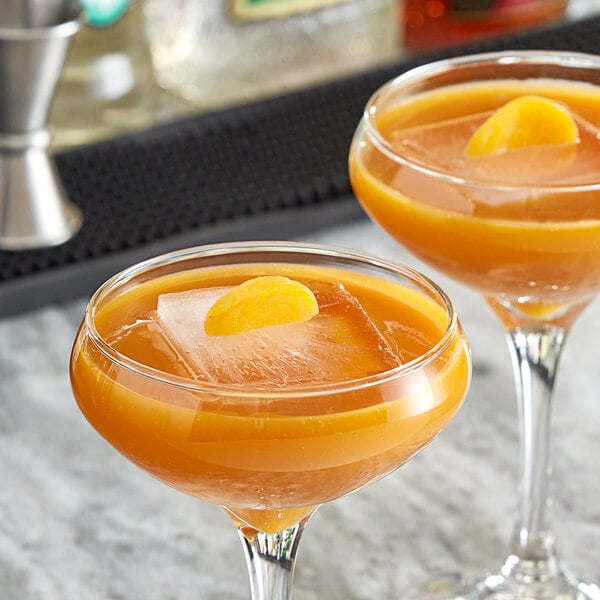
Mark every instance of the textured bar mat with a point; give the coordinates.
(268, 170)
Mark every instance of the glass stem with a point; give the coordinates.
(535, 353)
(271, 558)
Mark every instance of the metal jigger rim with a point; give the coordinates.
(64, 28)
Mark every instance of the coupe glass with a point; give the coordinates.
(511, 228)
(269, 453)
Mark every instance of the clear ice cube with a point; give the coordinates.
(442, 145)
(338, 344)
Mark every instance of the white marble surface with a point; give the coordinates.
(77, 522)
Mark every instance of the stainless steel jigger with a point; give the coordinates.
(34, 39)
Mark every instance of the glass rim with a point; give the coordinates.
(413, 276)
(422, 72)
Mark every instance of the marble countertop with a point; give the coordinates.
(78, 522)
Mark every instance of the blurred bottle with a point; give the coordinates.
(215, 52)
(430, 24)
(107, 86)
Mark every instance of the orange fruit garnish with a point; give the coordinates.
(522, 122)
(260, 302)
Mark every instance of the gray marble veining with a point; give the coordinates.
(78, 522)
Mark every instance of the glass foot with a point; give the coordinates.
(457, 586)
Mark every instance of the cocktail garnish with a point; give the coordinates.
(339, 343)
(260, 302)
(525, 121)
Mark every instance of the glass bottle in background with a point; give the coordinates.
(216, 52)
(107, 87)
(430, 24)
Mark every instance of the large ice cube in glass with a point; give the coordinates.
(439, 145)
(442, 147)
(338, 344)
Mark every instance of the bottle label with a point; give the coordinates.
(269, 9)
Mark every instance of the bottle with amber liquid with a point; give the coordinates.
(430, 24)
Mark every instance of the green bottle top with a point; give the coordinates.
(102, 13)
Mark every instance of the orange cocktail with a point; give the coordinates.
(487, 167)
(271, 421)
(262, 452)
(522, 225)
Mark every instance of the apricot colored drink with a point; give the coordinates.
(522, 225)
(487, 167)
(271, 420)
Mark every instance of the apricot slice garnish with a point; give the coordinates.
(260, 302)
(525, 121)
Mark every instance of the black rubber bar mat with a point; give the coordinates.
(273, 169)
